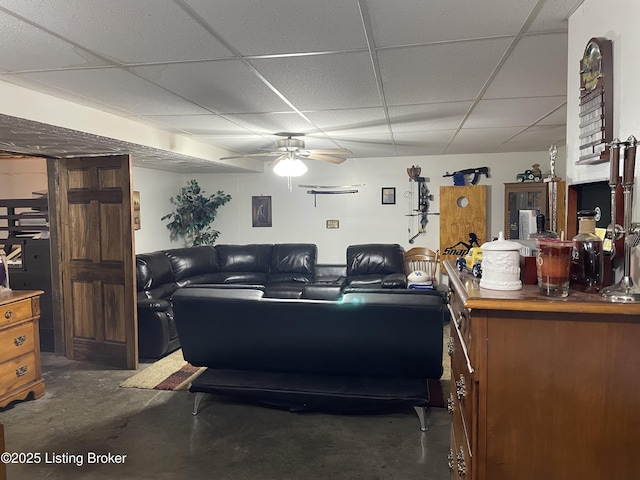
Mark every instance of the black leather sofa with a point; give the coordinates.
(288, 271)
(366, 349)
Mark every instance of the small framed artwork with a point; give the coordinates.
(388, 195)
(261, 211)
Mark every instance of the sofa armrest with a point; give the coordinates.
(394, 280)
(153, 304)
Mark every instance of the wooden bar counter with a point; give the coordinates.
(542, 388)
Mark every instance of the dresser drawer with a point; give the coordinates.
(459, 448)
(15, 312)
(16, 341)
(17, 372)
(462, 318)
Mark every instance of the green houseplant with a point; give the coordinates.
(194, 214)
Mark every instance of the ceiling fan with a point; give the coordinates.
(292, 149)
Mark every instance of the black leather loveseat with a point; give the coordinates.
(366, 349)
(288, 271)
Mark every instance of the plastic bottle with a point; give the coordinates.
(587, 256)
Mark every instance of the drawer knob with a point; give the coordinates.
(462, 465)
(451, 347)
(20, 371)
(450, 403)
(8, 314)
(450, 462)
(461, 317)
(461, 388)
(19, 340)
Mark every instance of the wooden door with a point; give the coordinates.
(95, 221)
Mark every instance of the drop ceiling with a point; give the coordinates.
(190, 81)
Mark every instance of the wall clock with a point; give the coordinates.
(596, 101)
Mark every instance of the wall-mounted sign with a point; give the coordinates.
(333, 223)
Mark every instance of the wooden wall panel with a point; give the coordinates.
(113, 313)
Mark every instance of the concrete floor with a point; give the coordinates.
(84, 410)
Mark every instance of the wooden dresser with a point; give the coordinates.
(20, 373)
(542, 388)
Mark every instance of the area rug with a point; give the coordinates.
(169, 373)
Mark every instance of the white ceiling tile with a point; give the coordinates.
(325, 81)
(434, 116)
(222, 86)
(125, 31)
(408, 22)
(559, 117)
(285, 26)
(430, 74)
(350, 121)
(492, 138)
(25, 47)
(369, 145)
(540, 136)
(554, 15)
(422, 143)
(270, 123)
(512, 112)
(531, 72)
(119, 88)
(197, 124)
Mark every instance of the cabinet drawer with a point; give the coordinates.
(460, 448)
(462, 318)
(15, 312)
(17, 372)
(16, 341)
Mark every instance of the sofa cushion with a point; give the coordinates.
(244, 258)
(153, 270)
(374, 258)
(292, 262)
(191, 261)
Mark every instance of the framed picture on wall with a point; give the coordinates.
(261, 211)
(388, 195)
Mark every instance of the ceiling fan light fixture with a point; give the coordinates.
(290, 167)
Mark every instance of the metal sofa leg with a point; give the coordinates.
(421, 411)
(196, 403)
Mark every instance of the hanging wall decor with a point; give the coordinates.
(261, 211)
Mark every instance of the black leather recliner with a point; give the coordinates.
(375, 265)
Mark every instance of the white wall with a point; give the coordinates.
(623, 28)
(617, 20)
(155, 188)
(362, 217)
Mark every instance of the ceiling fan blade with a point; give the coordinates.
(277, 160)
(266, 154)
(325, 158)
(330, 151)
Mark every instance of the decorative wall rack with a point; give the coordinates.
(316, 190)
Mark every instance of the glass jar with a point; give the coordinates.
(587, 255)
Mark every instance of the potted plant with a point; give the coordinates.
(194, 214)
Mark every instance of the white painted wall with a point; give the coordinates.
(155, 188)
(362, 217)
(596, 18)
(623, 28)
